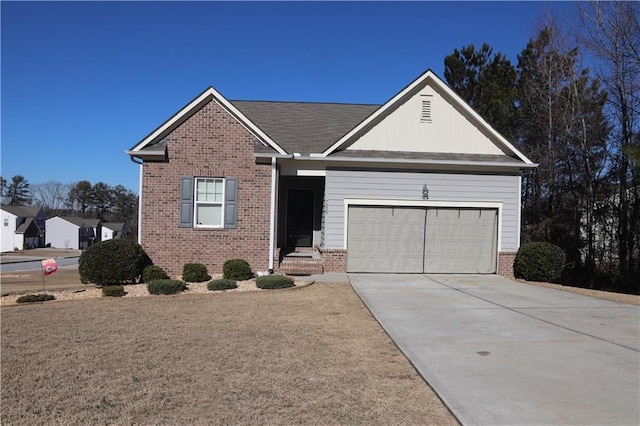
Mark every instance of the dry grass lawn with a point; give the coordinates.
(311, 355)
(31, 281)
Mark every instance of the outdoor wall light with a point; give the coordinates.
(425, 192)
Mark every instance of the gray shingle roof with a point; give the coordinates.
(81, 221)
(436, 156)
(304, 127)
(22, 211)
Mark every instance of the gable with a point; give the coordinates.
(153, 145)
(427, 122)
(426, 117)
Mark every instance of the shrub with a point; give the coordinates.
(113, 291)
(237, 269)
(539, 262)
(113, 262)
(166, 286)
(195, 273)
(274, 281)
(28, 298)
(153, 272)
(222, 284)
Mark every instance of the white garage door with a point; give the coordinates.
(417, 240)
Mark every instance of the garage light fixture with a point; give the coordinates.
(425, 192)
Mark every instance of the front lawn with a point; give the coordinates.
(313, 355)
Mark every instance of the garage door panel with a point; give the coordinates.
(461, 241)
(385, 239)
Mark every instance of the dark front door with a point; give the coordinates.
(300, 218)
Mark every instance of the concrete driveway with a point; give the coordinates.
(500, 352)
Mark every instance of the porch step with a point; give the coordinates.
(298, 265)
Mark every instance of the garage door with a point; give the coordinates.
(417, 240)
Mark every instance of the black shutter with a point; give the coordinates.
(231, 203)
(186, 202)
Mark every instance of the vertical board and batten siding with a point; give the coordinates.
(447, 129)
(341, 184)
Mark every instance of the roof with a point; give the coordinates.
(81, 221)
(113, 226)
(28, 225)
(322, 129)
(22, 211)
(304, 127)
(433, 156)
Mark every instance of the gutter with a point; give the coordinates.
(317, 157)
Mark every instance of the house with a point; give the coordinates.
(71, 232)
(22, 227)
(113, 230)
(419, 184)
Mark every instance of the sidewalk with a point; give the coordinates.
(36, 254)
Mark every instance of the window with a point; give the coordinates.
(209, 198)
(6, 222)
(208, 202)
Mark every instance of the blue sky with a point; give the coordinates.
(84, 81)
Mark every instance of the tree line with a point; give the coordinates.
(581, 125)
(99, 201)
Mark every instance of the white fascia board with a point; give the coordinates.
(404, 202)
(193, 106)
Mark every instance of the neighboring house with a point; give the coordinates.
(72, 232)
(419, 184)
(113, 230)
(22, 227)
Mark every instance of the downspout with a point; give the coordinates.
(272, 214)
(140, 207)
(139, 199)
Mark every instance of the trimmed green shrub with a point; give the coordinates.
(113, 262)
(28, 298)
(274, 281)
(166, 286)
(222, 284)
(539, 262)
(237, 270)
(195, 273)
(113, 291)
(153, 272)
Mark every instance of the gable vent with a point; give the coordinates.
(425, 111)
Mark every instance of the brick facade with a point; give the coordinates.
(211, 143)
(334, 260)
(505, 264)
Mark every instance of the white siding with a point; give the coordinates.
(62, 234)
(341, 184)
(9, 240)
(448, 131)
(107, 234)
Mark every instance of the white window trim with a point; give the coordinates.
(196, 203)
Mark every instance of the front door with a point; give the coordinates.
(300, 218)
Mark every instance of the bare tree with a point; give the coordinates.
(52, 196)
(611, 34)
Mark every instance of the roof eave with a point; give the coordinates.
(514, 165)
